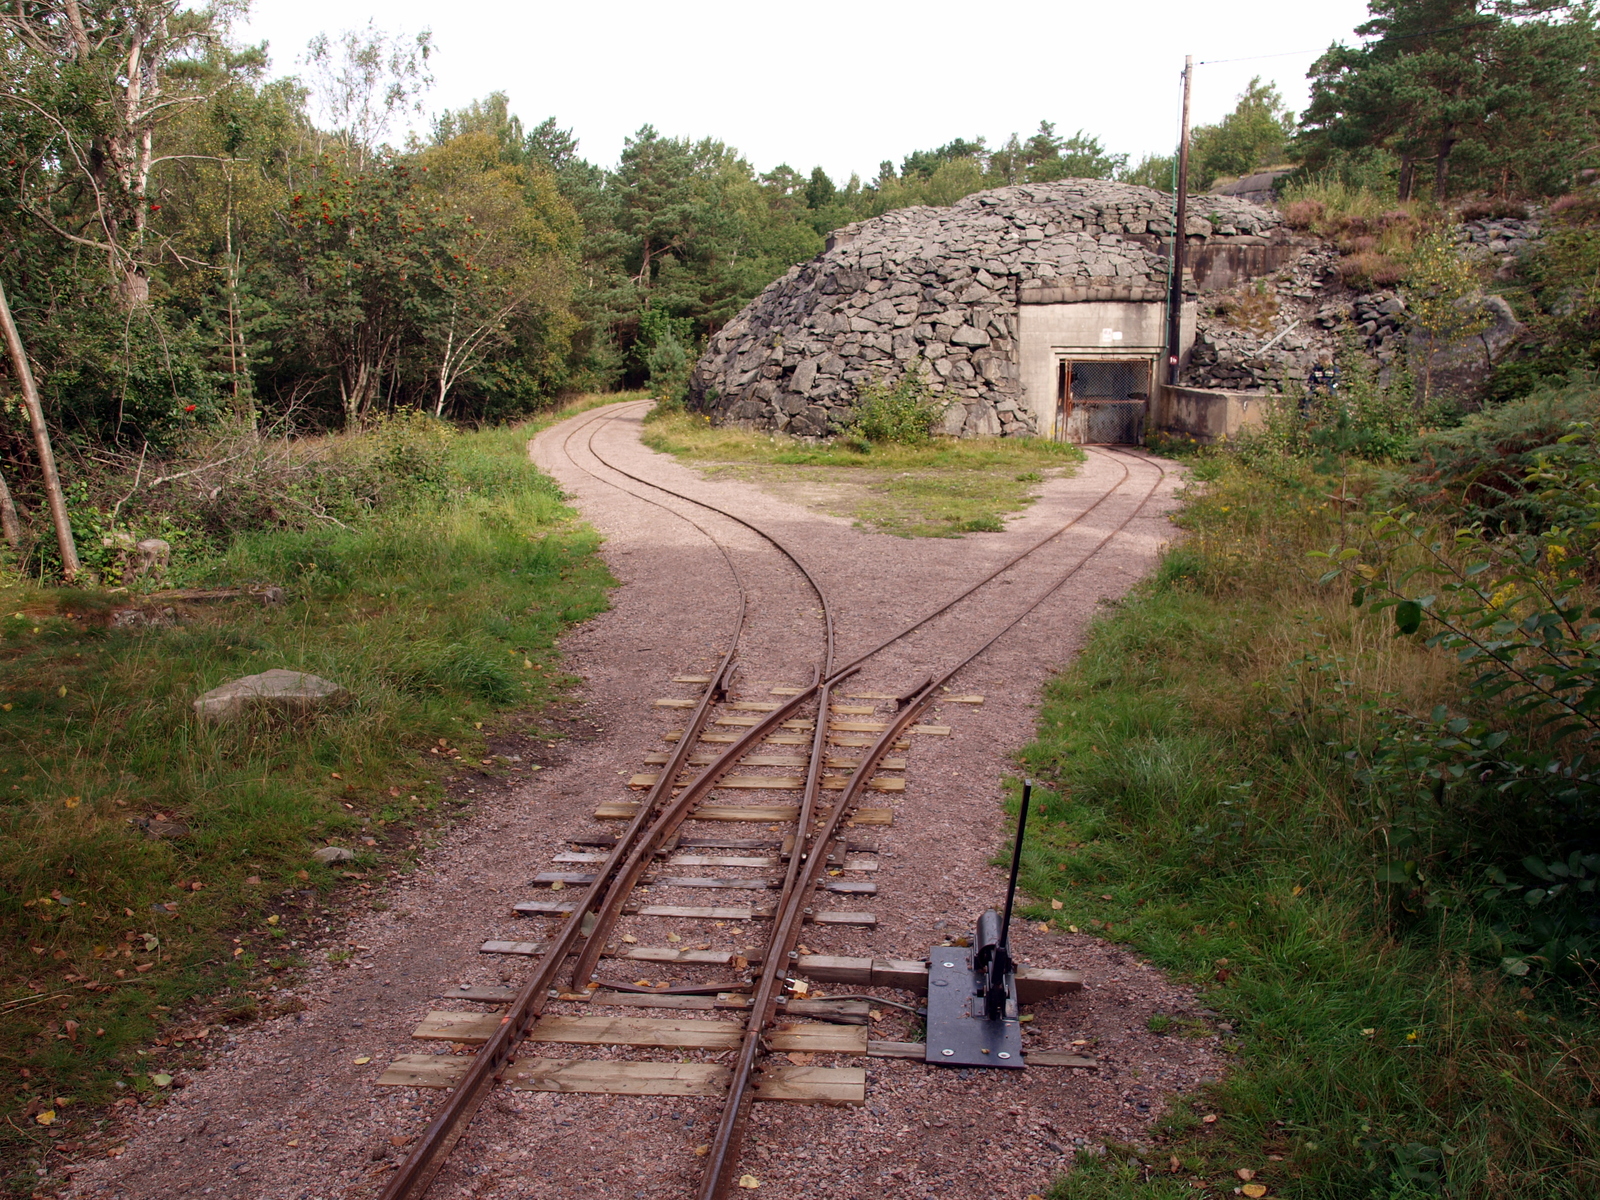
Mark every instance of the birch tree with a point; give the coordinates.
(98, 79)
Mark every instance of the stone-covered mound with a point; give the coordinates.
(938, 289)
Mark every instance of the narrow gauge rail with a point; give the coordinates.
(658, 817)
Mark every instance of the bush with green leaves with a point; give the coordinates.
(1499, 803)
(904, 412)
(1480, 471)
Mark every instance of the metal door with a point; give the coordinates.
(1114, 396)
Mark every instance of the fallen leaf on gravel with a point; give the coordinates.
(629, 938)
(740, 961)
(703, 946)
(363, 1060)
(749, 1181)
(672, 937)
(1209, 1119)
(399, 1139)
(47, 1117)
(557, 886)
(1056, 904)
(800, 1059)
(161, 1079)
(1035, 1196)
(1254, 1190)
(702, 1151)
(1245, 1173)
(875, 1014)
(1043, 928)
(642, 983)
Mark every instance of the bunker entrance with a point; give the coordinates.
(1101, 401)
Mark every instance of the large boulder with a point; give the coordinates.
(286, 693)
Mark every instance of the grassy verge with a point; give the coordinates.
(1200, 811)
(943, 489)
(436, 615)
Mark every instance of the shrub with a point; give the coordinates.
(904, 413)
(1479, 470)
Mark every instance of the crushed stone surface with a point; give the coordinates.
(288, 1108)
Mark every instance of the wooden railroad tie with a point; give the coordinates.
(746, 912)
(783, 783)
(703, 758)
(803, 1085)
(771, 814)
(853, 887)
(721, 860)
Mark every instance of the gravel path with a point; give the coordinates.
(285, 1110)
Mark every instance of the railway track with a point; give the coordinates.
(806, 730)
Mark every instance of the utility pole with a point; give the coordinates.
(1180, 240)
(41, 440)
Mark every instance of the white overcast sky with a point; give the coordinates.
(841, 83)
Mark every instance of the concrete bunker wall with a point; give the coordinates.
(985, 299)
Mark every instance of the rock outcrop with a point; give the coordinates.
(937, 290)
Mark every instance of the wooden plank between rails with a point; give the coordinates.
(668, 954)
(604, 1076)
(843, 762)
(785, 783)
(470, 1028)
(853, 887)
(801, 1085)
(769, 813)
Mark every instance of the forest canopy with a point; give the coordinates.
(199, 241)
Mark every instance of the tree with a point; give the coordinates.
(1499, 92)
(1152, 171)
(367, 262)
(363, 80)
(820, 191)
(1252, 136)
(507, 272)
(94, 82)
(1442, 298)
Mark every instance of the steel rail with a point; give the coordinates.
(447, 1125)
(611, 901)
(861, 659)
(723, 1156)
(417, 1172)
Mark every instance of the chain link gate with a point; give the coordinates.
(1113, 397)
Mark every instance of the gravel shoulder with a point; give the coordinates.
(287, 1107)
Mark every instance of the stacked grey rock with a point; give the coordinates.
(937, 290)
(1499, 241)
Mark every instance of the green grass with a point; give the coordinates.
(1377, 1053)
(437, 616)
(944, 488)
